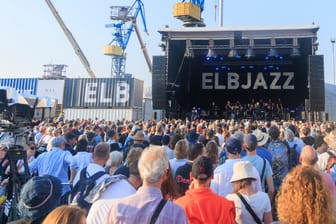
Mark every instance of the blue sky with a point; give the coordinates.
(31, 37)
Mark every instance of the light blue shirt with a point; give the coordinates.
(55, 163)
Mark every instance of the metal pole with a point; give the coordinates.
(221, 13)
(332, 40)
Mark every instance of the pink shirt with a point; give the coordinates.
(330, 183)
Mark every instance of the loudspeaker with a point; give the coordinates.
(316, 83)
(159, 83)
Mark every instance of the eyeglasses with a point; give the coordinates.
(32, 148)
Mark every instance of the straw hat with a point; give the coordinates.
(242, 170)
(262, 137)
(139, 136)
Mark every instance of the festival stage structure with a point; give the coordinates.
(205, 67)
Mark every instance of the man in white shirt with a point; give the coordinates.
(222, 175)
(116, 187)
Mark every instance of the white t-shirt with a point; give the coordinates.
(100, 209)
(92, 169)
(259, 202)
(221, 184)
(176, 163)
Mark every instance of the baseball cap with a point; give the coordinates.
(202, 168)
(233, 146)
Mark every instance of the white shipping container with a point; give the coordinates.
(106, 114)
(51, 88)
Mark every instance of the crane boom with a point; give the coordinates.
(71, 39)
(143, 46)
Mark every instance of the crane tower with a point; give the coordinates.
(125, 21)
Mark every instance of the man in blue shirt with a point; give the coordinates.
(56, 163)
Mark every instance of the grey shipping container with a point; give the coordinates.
(103, 93)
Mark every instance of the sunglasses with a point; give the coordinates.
(32, 148)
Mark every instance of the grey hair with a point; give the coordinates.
(58, 141)
(115, 159)
(153, 163)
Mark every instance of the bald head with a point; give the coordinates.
(308, 156)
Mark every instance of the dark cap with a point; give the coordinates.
(233, 146)
(202, 168)
(251, 141)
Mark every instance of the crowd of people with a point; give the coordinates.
(177, 171)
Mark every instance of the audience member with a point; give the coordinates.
(304, 198)
(141, 206)
(38, 197)
(252, 206)
(66, 214)
(200, 203)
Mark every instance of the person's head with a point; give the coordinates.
(242, 175)
(211, 149)
(202, 170)
(90, 135)
(274, 132)
(139, 137)
(165, 140)
(289, 135)
(3, 150)
(181, 149)
(251, 142)
(174, 139)
(304, 197)
(66, 214)
(31, 150)
(132, 160)
(195, 151)
(153, 165)
(308, 156)
(39, 196)
(320, 145)
(330, 139)
(111, 134)
(101, 153)
(233, 147)
(81, 145)
(58, 142)
(115, 159)
(262, 137)
(70, 138)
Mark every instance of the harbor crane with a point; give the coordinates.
(125, 17)
(71, 39)
(190, 12)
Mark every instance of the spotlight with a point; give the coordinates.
(273, 53)
(233, 53)
(189, 53)
(211, 53)
(295, 52)
(249, 53)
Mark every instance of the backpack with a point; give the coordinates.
(331, 162)
(82, 189)
(292, 155)
(279, 161)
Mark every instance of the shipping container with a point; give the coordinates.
(106, 114)
(103, 93)
(22, 85)
(51, 88)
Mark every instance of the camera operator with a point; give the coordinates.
(4, 169)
